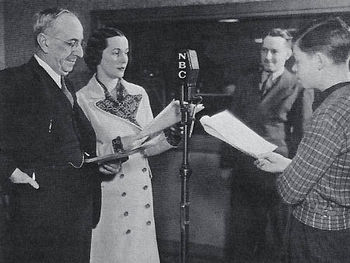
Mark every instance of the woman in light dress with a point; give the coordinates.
(118, 109)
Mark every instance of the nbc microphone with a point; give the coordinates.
(188, 74)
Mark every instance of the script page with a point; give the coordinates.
(169, 116)
(226, 127)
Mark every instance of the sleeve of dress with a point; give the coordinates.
(83, 104)
(146, 107)
(102, 148)
(321, 143)
(158, 146)
(162, 144)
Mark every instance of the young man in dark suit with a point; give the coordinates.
(274, 105)
(44, 138)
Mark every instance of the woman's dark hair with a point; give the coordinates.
(97, 43)
(331, 37)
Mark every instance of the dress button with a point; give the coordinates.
(123, 194)
(144, 169)
(148, 223)
(121, 176)
(128, 231)
(147, 205)
(126, 213)
(145, 187)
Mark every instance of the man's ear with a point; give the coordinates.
(42, 42)
(321, 60)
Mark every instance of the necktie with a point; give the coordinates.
(66, 91)
(77, 161)
(266, 85)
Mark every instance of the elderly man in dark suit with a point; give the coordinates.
(274, 105)
(44, 139)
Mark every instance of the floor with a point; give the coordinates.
(240, 232)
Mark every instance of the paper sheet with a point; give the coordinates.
(110, 157)
(226, 127)
(169, 116)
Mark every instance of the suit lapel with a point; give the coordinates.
(280, 89)
(46, 89)
(42, 74)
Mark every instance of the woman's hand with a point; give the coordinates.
(174, 133)
(272, 162)
(110, 168)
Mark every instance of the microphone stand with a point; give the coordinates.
(185, 174)
(187, 60)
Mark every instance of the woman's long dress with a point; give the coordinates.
(126, 231)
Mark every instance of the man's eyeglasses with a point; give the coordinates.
(73, 44)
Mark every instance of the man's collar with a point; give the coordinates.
(278, 73)
(56, 77)
(325, 93)
(275, 74)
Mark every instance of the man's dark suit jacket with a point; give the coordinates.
(41, 132)
(279, 116)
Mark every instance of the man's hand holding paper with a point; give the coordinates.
(272, 162)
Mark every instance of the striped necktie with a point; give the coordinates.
(66, 91)
(266, 85)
